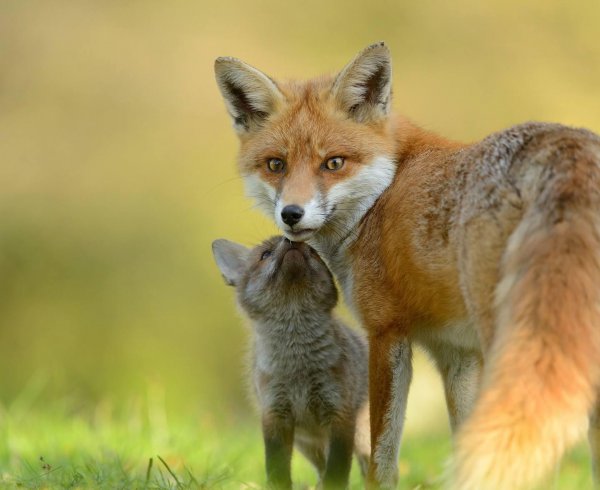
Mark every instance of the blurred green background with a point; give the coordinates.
(117, 168)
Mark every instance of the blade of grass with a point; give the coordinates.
(170, 471)
(148, 470)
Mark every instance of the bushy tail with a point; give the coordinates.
(543, 368)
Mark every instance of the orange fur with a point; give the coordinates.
(307, 131)
(503, 235)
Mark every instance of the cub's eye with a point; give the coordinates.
(334, 163)
(266, 254)
(275, 165)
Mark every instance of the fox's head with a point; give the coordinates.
(315, 154)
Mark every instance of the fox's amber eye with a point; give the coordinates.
(266, 254)
(275, 165)
(334, 163)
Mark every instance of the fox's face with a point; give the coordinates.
(276, 277)
(317, 154)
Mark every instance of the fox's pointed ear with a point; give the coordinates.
(250, 95)
(364, 87)
(231, 258)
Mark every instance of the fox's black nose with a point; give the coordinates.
(292, 214)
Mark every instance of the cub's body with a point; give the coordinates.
(309, 370)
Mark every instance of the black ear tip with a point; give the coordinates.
(377, 45)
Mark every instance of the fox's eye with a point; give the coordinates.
(334, 163)
(266, 254)
(275, 165)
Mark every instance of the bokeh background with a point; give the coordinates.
(117, 169)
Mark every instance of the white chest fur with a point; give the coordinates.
(339, 262)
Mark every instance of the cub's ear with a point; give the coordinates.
(364, 87)
(231, 259)
(250, 95)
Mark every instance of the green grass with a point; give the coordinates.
(64, 446)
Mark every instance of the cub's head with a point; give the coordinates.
(315, 154)
(276, 277)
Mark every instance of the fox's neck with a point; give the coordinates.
(411, 140)
(335, 251)
(335, 242)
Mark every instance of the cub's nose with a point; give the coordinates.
(292, 214)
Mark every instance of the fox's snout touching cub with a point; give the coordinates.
(309, 370)
(485, 254)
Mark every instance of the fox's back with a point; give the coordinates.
(442, 226)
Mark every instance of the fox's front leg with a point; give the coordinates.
(278, 435)
(390, 374)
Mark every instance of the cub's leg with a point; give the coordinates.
(390, 374)
(461, 374)
(339, 458)
(278, 435)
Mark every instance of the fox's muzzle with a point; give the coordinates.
(292, 214)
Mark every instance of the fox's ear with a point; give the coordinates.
(231, 259)
(364, 87)
(250, 95)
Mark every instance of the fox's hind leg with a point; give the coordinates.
(461, 373)
(594, 438)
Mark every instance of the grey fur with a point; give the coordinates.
(308, 369)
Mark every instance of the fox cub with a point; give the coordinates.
(309, 370)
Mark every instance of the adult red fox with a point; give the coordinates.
(486, 254)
